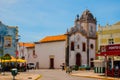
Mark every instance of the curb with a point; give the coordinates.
(104, 78)
(38, 77)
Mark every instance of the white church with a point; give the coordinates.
(76, 47)
(81, 41)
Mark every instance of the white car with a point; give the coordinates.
(31, 66)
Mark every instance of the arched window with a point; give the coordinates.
(33, 52)
(91, 46)
(72, 45)
(78, 46)
(83, 47)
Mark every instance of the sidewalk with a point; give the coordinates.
(91, 74)
(20, 76)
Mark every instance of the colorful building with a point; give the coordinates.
(109, 48)
(8, 39)
(108, 35)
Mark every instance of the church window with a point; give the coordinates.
(72, 45)
(33, 52)
(110, 41)
(78, 46)
(83, 47)
(91, 46)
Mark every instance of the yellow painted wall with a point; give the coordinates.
(117, 40)
(104, 41)
(108, 32)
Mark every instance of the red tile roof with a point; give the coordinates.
(53, 38)
(26, 44)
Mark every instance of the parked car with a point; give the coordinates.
(31, 66)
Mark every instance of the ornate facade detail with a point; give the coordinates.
(80, 36)
(87, 17)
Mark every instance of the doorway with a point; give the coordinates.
(51, 63)
(91, 63)
(78, 59)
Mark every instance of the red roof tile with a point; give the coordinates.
(54, 38)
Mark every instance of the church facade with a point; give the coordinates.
(81, 41)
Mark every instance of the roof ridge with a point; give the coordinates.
(56, 35)
(53, 38)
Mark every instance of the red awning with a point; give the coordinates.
(109, 53)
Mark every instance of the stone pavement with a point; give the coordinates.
(20, 76)
(91, 74)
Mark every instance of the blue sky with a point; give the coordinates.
(39, 18)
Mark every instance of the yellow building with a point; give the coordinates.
(108, 35)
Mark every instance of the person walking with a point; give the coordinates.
(63, 66)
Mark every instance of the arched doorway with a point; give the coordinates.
(78, 59)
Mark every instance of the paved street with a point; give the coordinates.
(57, 75)
(47, 74)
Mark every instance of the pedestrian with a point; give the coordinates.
(63, 66)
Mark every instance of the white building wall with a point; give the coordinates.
(27, 53)
(72, 58)
(31, 58)
(44, 50)
(22, 51)
(92, 51)
(82, 39)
